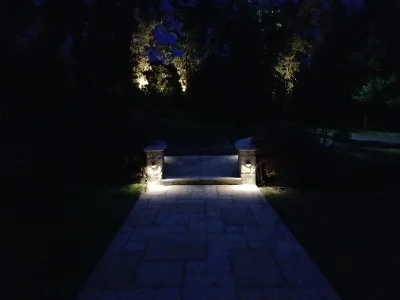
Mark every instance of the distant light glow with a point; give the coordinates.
(183, 88)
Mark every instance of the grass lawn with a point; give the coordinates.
(373, 134)
(178, 128)
(372, 153)
(353, 235)
(377, 134)
(62, 238)
(195, 136)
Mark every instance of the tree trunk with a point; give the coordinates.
(325, 135)
(365, 122)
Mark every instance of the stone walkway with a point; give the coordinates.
(205, 242)
(201, 166)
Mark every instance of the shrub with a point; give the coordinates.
(289, 154)
(341, 135)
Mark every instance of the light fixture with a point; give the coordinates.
(247, 187)
(153, 165)
(248, 164)
(154, 187)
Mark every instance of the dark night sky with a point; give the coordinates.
(169, 38)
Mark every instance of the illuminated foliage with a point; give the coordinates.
(377, 87)
(288, 64)
(200, 34)
(286, 70)
(303, 43)
(185, 66)
(142, 42)
(162, 80)
(373, 89)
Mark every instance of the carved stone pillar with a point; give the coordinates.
(247, 160)
(155, 162)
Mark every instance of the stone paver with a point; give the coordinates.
(213, 286)
(197, 266)
(300, 293)
(183, 208)
(143, 217)
(250, 294)
(159, 274)
(219, 261)
(238, 217)
(176, 250)
(208, 225)
(212, 166)
(227, 241)
(255, 268)
(205, 242)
